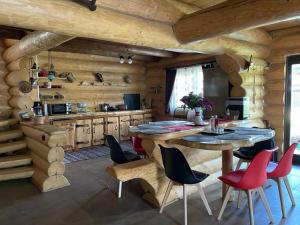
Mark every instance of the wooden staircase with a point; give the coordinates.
(15, 163)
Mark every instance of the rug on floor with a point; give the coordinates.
(92, 152)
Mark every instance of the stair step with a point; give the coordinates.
(16, 173)
(14, 161)
(12, 146)
(10, 134)
(8, 122)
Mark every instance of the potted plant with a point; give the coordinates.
(197, 103)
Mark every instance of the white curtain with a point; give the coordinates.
(188, 79)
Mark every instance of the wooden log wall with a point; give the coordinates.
(247, 83)
(16, 73)
(85, 88)
(45, 143)
(5, 109)
(282, 46)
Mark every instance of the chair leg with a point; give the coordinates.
(281, 197)
(225, 202)
(238, 166)
(202, 195)
(239, 199)
(250, 204)
(288, 187)
(185, 204)
(120, 189)
(163, 204)
(266, 204)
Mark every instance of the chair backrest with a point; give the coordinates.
(176, 167)
(256, 174)
(116, 152)
(285, 164)
(263, 145)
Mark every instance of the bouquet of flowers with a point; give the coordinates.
(192, 101)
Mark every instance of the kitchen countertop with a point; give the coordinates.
(97, 114)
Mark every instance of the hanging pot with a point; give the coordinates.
(51, 73)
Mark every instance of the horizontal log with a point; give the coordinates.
(8, 122)
(78, 65)
(157, 10)
(184, 7)
(21, 102)
(48, 154)
(16, 173)
(278, 55)
(230, 18)
(258, 36)
(10, 135)
(12, 146)
(46, 183)
(34, 43)
(15, 77)
(51, 140)
(50, 169)
(15, 161)
(154, 35)
(88, 57)
(290, 41)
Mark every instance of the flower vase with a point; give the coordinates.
(198, 116)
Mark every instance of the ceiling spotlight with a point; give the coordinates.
(122, 59)
(130, 61)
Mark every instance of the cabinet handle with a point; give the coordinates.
(84, 125)
(82, 142)
(94, 130)
(100, 123)
(125, 121)
(88, 130)
(96, 140)
(116, 127)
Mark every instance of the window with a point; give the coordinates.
(188, 79)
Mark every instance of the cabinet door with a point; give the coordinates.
(137, 120)
(147, 117)
(98, 131)
(83, 133)
(69, 126)
(124, 127)
(113, 126)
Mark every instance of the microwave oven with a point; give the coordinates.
(63, 108)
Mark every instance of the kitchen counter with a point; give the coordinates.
(97, 114)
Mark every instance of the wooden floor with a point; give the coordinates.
(88, 201)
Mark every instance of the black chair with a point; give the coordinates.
(178, 171)
(119, 156)
(247, 154)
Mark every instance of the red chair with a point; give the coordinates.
(137, 146)
(248, 180)
(279, 172)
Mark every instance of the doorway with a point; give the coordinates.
(292, 104)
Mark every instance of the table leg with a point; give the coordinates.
(227, 164)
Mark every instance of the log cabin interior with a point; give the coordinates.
(123, 111)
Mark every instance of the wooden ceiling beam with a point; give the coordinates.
(66, 18)
(229, 18)
(32, 44)
(183, 7)
(156, 10)
(80, 45)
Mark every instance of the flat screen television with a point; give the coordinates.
(133, 101)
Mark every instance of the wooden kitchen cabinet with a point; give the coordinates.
(124, 127)
(112, 126)
(69, 126)
(147, 117)
(83, 134)
(98, 126)
(137, 120)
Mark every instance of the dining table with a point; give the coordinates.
(196, 142)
